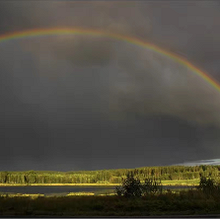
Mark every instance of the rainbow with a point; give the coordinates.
(133, 40)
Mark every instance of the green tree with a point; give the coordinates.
(209, 186)
(131, 187)
(151, 186)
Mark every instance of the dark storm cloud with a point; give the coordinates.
(191, 28)
(188, 28)
(90, 103)
(85, 51)
(155, 85)
(77, 50)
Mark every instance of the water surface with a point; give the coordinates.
(63, 190)
(47, 190)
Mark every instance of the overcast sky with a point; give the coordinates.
(84, 103)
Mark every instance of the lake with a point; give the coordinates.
(63, 190)
(48, 190)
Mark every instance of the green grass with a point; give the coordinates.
(184, 203)
(191, 182)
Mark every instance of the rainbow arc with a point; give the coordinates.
(133, 40)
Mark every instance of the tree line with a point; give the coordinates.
(109, 176)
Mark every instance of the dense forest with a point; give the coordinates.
(108, 176)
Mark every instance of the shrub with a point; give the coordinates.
(209, 186)
(132, 186)
(151, 186)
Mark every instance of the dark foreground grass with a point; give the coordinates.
(183, 203)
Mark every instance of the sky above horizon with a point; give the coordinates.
(81, 102)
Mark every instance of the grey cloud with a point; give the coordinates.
(155, 84)
(84, 51)
(70, 103)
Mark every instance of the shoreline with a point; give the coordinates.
(60, 184)
(88, 184)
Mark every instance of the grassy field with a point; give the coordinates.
(183, 203)
(104, 201)
(106, 204)
(192, 182)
